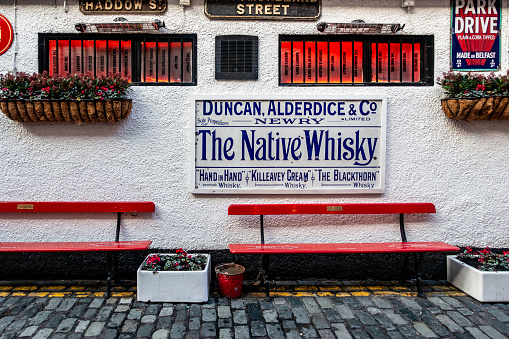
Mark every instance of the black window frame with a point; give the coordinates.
(426, 63)
(221, 57)
(136, 40)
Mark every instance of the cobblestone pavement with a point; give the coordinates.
(298, 310)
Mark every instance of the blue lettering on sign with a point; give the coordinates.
(269, 148)
(288, 109)
(285, 108)
(339, 148)
(319, 145)
(367, 107)
(219, 148)
(232, 108)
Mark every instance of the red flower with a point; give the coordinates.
(486, 251)
(153, 259)
(480, 87)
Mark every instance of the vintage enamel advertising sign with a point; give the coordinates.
(287, 145)
(475, 44)
(6, 34)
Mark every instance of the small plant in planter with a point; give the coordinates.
(472, 96)
(482, 274)
(485, 260)
(72, 98)
(182, 261)
(179, 277)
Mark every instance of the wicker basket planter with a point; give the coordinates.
(487, 108)
(66, 110)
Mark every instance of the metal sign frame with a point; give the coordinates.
(266, 145)
(127, 6)
(263, 10)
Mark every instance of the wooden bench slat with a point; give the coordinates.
(73, 206)
(393, 247)
(74, 246)
(368, 208)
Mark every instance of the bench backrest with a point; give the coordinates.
(87, 206)
(78, 207)
(368, 208)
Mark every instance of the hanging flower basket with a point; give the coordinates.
(486, 108)
(69, 98)
(66, 110)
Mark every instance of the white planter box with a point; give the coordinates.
(483, 286)
(174, 286)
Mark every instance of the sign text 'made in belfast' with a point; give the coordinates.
(280, 146)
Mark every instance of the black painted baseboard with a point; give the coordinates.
(92, 266)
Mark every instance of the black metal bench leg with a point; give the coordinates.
(418, 282)
(404, 268)
(265, 271)
(111, 272)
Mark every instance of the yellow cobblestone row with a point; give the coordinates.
(354, 288)
(330, 288)
(38, 294)
(377, 288)
(360, 294)
(52, 288)
(306, 288)
(77, 288)
(279, 291)
(25, 288)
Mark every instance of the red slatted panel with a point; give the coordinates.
(374, 208)
(392, 247)
(74, 246)
(75, 206)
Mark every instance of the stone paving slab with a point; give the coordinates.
(323, 309)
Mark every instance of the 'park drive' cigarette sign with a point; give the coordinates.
(289, 145)
(476, 35)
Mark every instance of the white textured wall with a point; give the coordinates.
(460, 167)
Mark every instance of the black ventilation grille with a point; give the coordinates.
(237, 57)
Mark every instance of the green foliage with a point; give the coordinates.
(181, 261)
(485, 259)
(40, 86)
(472, 85)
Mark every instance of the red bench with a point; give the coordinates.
(402, 246)
(111, 247)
